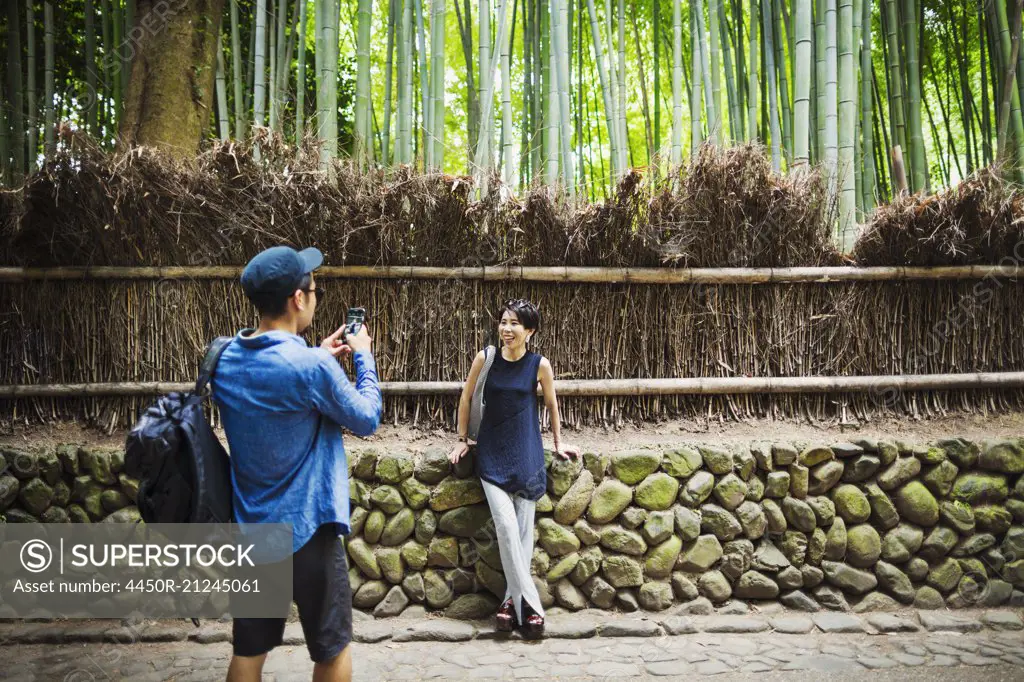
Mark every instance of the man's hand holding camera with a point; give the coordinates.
(341, 342)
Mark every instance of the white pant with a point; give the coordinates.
(513, 524)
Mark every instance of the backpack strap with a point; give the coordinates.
(209, 363)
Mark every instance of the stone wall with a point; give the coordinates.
(864, 525)
(68, 483)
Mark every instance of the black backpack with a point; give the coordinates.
(184, 473)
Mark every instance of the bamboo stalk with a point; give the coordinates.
(867, 129)
(49, 134)
(606, 85)
(561, 66)
(437, 89)
(30, 86)
(802, 82)
(676, 156)
(598, 387)
(546, 273)
(899, 171)
(362, 132)
(222, 94)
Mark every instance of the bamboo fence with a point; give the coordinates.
(119, 268)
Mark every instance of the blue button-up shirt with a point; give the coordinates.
(283, 405)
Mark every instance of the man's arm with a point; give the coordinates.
(357, 408)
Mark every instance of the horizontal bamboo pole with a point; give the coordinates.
(545, 273)
(598, 387)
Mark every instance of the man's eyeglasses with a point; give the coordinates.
(319, 292)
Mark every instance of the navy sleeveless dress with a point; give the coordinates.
(509, 450)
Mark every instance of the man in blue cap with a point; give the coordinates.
(283, 405)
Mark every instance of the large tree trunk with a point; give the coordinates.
(170, 93)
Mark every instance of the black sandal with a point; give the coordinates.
(505, 619)
(533, 622)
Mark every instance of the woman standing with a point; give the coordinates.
(510, 453)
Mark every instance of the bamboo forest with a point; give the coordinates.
(883, 97)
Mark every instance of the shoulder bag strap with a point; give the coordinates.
(209, 363)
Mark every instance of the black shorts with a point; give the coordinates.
(321, 590)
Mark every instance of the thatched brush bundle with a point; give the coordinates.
(979, 221)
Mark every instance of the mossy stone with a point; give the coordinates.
(720, 522)
(433, 466)
(426, 526)
(899, 472)
(387, 498)
(443, 552)
(576, 499)
(901, 543)
(555, 538)
(799, 480)
(681, 462)
(980, 488)
(597, 464)
(622, 571)
(794, 547)
(773, 514)
(112, 500)
(67, 453)
(863, 546)
(394, 469)
(958, 515)
(416, 494)
(619, 539)
(390, 561)
(608, 501)
(963, 453)
(917, 504)
(993, 519)
(658, 526)
(700, 555)
(815, 454)
(455, 492)
(697, 489)
(657, 491)
(851, 503)
(717, 460)
(777, 484)
(562, 473)
(940, 478)
(662, 558)
(374, 526)
(730, 491)
(563, 567)
(633, 467)
(1005, 456)
(945, 576)
(362, 556)
(883, 509)
(588, 565)
(464, 522)
(415, 555)
(35, 496)
(799, 514)
(836, 540)
(398, 528)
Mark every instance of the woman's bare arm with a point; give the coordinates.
(546, 377)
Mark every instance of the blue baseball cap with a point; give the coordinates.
(279, 270)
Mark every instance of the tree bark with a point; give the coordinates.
(170, 92)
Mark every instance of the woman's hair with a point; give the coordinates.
(527, 312)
